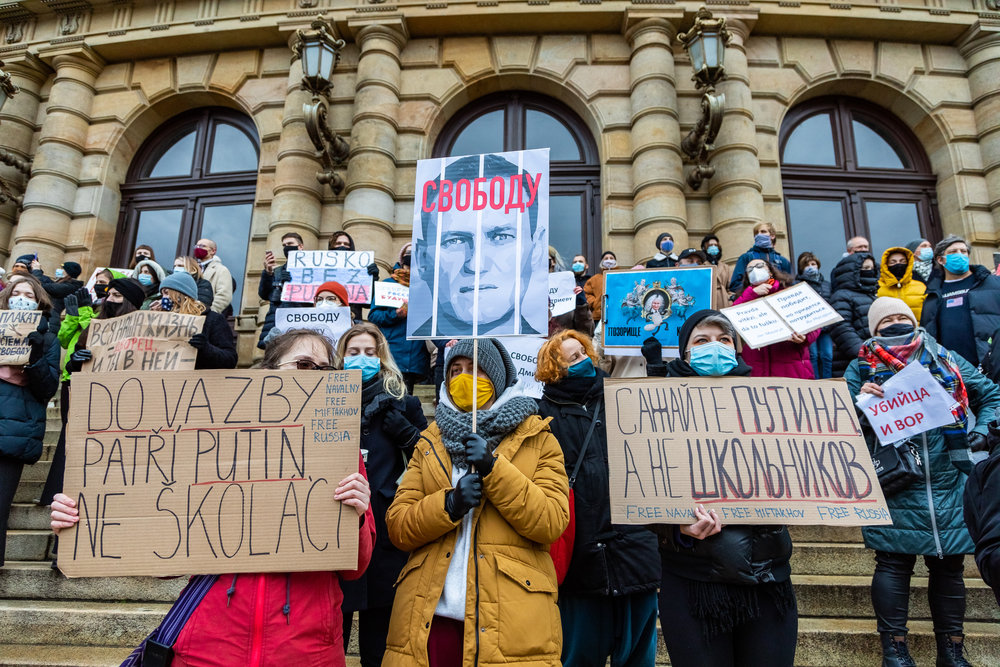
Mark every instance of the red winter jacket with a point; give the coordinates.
(250, 628)
(785, 359)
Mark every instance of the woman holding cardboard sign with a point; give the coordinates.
(789, 358)
(25, 390)
(272, 618)
(726, 597)
(926, 517)
(215, 344)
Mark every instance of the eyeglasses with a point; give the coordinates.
(329, 299)
(306, 365)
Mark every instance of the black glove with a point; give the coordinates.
(198, 341)
(72, 305)
(36, 339)
(399, 427)
(652, 351)
(373, 270)
(993, 435)
(977, 442)
(466, 495)
(83, 297)
(77, 359)
(478, 453)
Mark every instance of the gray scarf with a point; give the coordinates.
(492, 425)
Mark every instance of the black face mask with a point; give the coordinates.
(101, 291)
(288, 250)
(897, 329)
(109, 310)
(897, 270)
(870, 275)
(406, 260)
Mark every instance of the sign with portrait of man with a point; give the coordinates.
(480, 246)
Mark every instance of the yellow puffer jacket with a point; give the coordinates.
(909, 290)
(510, 612)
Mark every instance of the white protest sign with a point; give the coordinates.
(480, 246)
(524, 353)
(802, 308)
(757, 323)
(309, 269)
(331, 322)
(562, 300)
(913, 403)
(391, 295)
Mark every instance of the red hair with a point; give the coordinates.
(551, 366)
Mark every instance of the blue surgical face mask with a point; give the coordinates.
(145, 279)
(956, 263)
(810, 271)
(578, 267)
(713, 359)
(180, 269)
(582, 369)
(60, 273)
(762, 240)
(712, 250)
(667, 245)
(925, 254)
(369, 366)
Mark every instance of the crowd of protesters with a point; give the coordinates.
(455, 522)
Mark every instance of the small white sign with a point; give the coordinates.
(562, 299)
(913, 403)
(524, 353)
(392, 295)
(331, 322)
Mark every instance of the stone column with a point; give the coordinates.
(737, 201)
(17, 130)
(657, 173)
(51, 193)
(370, 202)
(298, 197)
(981, 49)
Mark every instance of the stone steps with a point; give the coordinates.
(850, 560)
(36, 580)
(78, 622)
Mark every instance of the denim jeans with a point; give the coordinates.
(821, 356)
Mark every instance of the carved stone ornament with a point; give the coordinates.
(70, 23)
(15, 32)
(305, 4)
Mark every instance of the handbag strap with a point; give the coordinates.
(586, 443)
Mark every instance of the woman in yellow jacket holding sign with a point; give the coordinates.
(478, 512)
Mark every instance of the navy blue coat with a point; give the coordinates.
(411, 356)
(771, 255)
(984, 306)
(22, 409)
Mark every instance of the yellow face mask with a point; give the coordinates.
(460, 388)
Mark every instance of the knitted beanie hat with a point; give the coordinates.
(883, 307)
(333, 286)
(130, 289)
(182, 282)
(72, 269)
(493, 359)
(912, 245)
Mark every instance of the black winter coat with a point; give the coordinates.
(852, 297)
(739, 554)
(57, 292)
(386, 457)
(818, 283)
(22, 409)
(220, 352)
(608, 559)
(982, 516)
(984, 306)
(265, 290)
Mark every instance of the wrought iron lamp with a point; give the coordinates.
(705, 43)
(7, 193)
(320, 51)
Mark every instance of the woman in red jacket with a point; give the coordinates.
(790, 358)
(272, 618)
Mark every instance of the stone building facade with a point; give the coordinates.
(100, 79)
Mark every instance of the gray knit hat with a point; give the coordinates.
(913, 245)
(883, 307)
(493, 359)
(946, 243)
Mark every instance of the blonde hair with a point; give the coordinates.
(191, 265)
(390, 372)
(764, 226)
(185, 305)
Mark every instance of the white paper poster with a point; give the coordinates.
(913, 403)
(392, 295)
(562, 298)
(524, 353)
(310, 269)
(331, 322)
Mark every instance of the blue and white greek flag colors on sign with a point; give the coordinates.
(480, 246)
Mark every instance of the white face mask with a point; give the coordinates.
(19, 302)
(758, 275)
(609, 263)
(60, 273)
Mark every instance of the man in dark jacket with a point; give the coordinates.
(664, 257)
(763, 248)
(271, 280)
(963, 298)
(65, 283)
(855, 283)
(982, 512)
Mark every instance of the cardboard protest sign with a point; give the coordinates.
(15, 325)
(331, 322)
(913, 402)
(774, 318)
(144, 340)
(480, 246)
(211, 472)
(93, 278)
(754, 450)
(654, 302)
(392, 295)
(524, 353)
(562, 300)
(308, 269)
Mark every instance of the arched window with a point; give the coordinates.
(513, 121)
(195, 177)
(850, 168)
